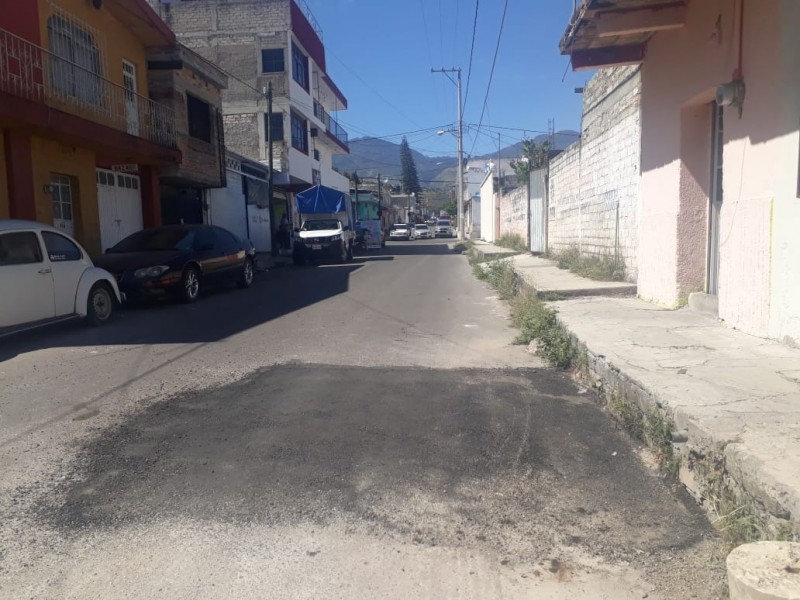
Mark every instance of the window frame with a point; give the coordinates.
(300, 68)
(193, 130)
(299, 144)
(273, 60)
(275, 116)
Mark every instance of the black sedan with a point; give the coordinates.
(178, 260)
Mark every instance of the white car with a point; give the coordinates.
(46, 276)
(422, 231)
(443, 229)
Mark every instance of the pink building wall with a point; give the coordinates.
(759, 272)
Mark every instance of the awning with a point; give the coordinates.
(606, 33)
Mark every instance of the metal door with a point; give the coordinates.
(715, 200)
(131, 97)
(61, 186)
(119, 203)
(538, 210)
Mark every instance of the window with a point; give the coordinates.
(226, 239)
(19, 248)
(59, 248)
(62, 197)
(299, 66)
(316, 176)
(75, 70)
(276, 119)
(205, 239)
(299, 133)
(199, 118)
(272, 60)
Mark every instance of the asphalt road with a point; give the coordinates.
(347, 431)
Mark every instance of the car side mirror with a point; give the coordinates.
(346, 228)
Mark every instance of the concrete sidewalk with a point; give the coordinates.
(734, 399)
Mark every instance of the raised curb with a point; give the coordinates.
(764, 571)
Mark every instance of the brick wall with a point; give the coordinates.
(241, 134)
(594, 186)
(514, 213)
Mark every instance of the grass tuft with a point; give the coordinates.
(592, 266)
(513, 242)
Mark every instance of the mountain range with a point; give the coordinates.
(372, 157)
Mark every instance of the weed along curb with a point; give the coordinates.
(714, 474)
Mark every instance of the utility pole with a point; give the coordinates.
(269, 150)
(460, 151)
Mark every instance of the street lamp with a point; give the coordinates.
(459, 137)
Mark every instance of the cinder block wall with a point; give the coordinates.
(514, 213)
(594, 192)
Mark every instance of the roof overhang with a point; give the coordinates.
(143, 21)
(607, 33)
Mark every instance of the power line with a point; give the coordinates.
(491, 73)
(471, 51)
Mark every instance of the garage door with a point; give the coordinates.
(119, 200)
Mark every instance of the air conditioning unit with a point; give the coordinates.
(314, 132)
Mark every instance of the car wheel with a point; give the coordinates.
(99, 305)
(247, 274)
(343, 253)
(190, 284)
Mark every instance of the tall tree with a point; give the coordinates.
(409, 177)
(533, 157)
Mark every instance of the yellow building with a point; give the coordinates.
(81, 142)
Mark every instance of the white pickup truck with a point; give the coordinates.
(327, 230)
(323, 238)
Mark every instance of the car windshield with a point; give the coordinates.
(320, 224)
(443, 224)
(421, 227)
(164, 238)
(398, 227)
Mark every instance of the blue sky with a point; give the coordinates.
(380, 53)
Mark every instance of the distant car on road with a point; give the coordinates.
(179, 260)
(422, 231)
(443, 229)
(46, 276)
(401, 231)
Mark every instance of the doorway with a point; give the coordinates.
(61, 186)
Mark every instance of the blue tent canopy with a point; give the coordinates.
(319, 200)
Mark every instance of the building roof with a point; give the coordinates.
(604, 33)
(143, 21)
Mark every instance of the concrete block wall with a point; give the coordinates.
(564, 204)
(514, 213)
(594, 191)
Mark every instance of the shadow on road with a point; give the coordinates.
(219, 313)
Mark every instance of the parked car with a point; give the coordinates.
(46, 276)
(421, 231)
(401, 231)
(443, 229)
(179, 260)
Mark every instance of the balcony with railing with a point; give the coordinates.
(36, 74)
(332, 127)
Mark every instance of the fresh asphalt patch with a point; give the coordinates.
(519, 463)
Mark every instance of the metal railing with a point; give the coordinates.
(331, 125)
(34, 73)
